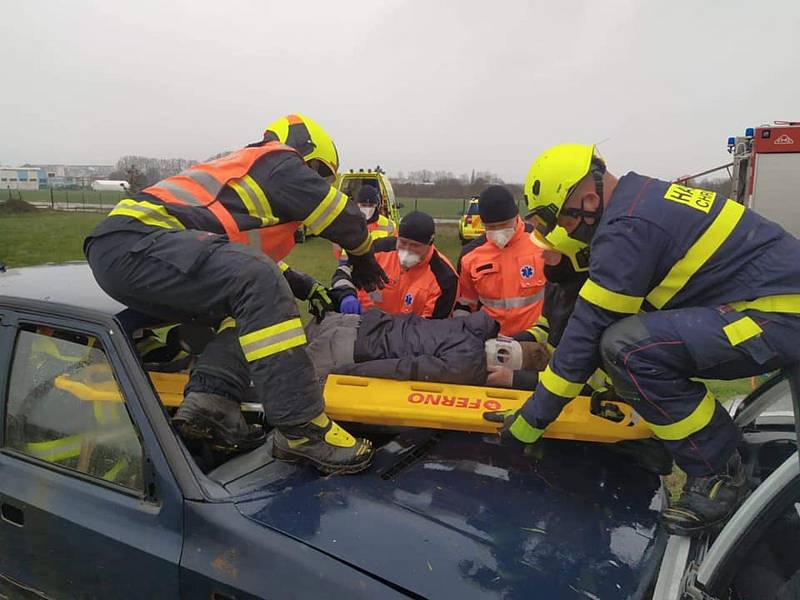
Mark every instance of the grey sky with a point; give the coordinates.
(410, 85)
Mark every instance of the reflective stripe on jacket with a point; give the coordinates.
(506, 283)
(253, 202)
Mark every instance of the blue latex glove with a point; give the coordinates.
(350, 306)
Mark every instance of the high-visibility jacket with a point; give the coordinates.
(380, 226)
(668, 246)
(257, 196)
(428, 289)
(507, 283)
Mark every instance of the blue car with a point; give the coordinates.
(99, 498)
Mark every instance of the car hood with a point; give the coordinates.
(458, 515)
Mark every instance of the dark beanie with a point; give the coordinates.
(417, 226)
(367, 195)
(496, 204)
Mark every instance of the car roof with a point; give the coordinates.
(70, 284)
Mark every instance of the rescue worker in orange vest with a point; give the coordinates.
(379, 225)
(421, 279)
(203, 244)
(502, 271)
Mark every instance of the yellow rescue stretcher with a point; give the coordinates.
(399, 403)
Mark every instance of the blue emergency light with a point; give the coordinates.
(749, 132)
(731, 141)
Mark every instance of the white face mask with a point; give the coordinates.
(501, 237)
(408, 259)
(367, 211)
(504, 352)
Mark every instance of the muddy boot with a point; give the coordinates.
(706, 503)
(217, 420)
(322, 443)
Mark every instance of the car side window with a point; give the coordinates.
(65, 407)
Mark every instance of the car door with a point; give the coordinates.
(87, 509)
(757, 553)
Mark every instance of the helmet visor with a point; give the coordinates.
(543, 219)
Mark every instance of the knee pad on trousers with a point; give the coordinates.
(615, 340)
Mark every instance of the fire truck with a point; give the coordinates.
(765, 172)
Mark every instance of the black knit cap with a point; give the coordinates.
(367, 195)
(417, 226)
(496, 204)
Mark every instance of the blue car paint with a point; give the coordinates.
(233, 557)
(467, 519)
(472, 519)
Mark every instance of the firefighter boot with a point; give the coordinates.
(707, 502)
(322, 443)
(217, 420)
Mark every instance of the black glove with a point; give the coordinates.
(367, 274)
(319, 302)
(601, 405)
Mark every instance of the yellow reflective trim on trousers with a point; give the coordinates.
(614, 301)
(700, 417)
(697, 255)
(273, 339)
(555, 384)
(362, 248)
(326, 211)
(114, 471)
(148, 213)
(741, 330)
(56, 450)
(787, 303)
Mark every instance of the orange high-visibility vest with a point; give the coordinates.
(506, 283)
(200, 184)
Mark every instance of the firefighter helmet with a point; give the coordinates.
(309, 139)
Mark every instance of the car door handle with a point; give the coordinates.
(12, 514)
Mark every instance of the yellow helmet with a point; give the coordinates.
(550, 180)
(309, 139)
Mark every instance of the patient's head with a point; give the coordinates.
(507, 352)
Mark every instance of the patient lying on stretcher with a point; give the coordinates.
(407, 347)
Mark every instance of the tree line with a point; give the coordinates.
(142, 171)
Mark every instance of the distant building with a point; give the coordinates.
(21, 178)
(110, 185)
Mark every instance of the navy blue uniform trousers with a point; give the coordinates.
(653, 358)
(187, 275)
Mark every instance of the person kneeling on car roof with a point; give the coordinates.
(421, 279)
(203, 244)
(408, 347)
(683, 284)
(502, 272)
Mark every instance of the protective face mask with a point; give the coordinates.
(367, 211)
(504, 352)
(501, 237)
(408, 259)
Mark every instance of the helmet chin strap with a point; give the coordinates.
(584, 232)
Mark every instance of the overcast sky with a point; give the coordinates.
(407, 84)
